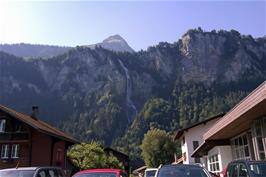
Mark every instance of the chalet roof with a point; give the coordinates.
(115, 151)
(180, 132)
(236, 121)
(38, 125)
(240, 117)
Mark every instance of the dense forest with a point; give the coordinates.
(116, 97)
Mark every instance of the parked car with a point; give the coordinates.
(246, 168)
(101, 173)
(150, 172)
(182, 170)
(32, 172)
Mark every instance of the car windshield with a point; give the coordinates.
(150, 173)
(98, 174)
(258, 169)
(181, 171)
(17, 173)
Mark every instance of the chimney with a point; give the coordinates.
(35, 112)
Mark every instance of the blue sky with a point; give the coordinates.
(141, 23)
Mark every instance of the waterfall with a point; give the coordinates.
(131, 108)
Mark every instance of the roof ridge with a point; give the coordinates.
(38, 124)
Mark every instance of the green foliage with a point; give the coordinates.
(156, 113)
(91, 156)
(158, 148)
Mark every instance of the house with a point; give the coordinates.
(27, 141)
(240, 134)
(191, 137)
(123, 158)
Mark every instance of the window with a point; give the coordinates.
(257, 135)
(4, 151)
(15, 151)
(2, 125)
(214, 164)
(240, 147)
(59, 155)
(195, 146)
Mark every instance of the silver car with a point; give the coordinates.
(33, 172)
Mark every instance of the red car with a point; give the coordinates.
(101, 173)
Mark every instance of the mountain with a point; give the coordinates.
(114, 43)
(33, 51)
(115, 97)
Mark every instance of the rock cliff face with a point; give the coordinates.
(95, 93)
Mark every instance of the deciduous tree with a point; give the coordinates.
(91, 156)
(158, 147)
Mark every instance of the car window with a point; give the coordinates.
(60, 173)
(243, 171)
(52, 173)
(17, 173)
(258, 169)
(232, 170)
(174, 171)
(41, 173)
(150, 173)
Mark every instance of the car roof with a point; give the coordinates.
(248, 161)
(151, 169)
(28, 168)
(20, 168)
(100, 170)
(183, 165)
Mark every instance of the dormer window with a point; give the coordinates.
(2, 125)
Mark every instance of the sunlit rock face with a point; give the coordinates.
(97, 92)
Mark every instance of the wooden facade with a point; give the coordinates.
(26, 141)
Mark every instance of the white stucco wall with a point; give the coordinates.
(194, 134)
(224, 155)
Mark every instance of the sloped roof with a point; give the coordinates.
(115, 151)
(240, 117)
(38, 125)
(236, 121)
(180, 132)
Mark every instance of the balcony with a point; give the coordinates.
(7, 136)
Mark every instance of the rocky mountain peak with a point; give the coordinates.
(115, 38)
(114, 43)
